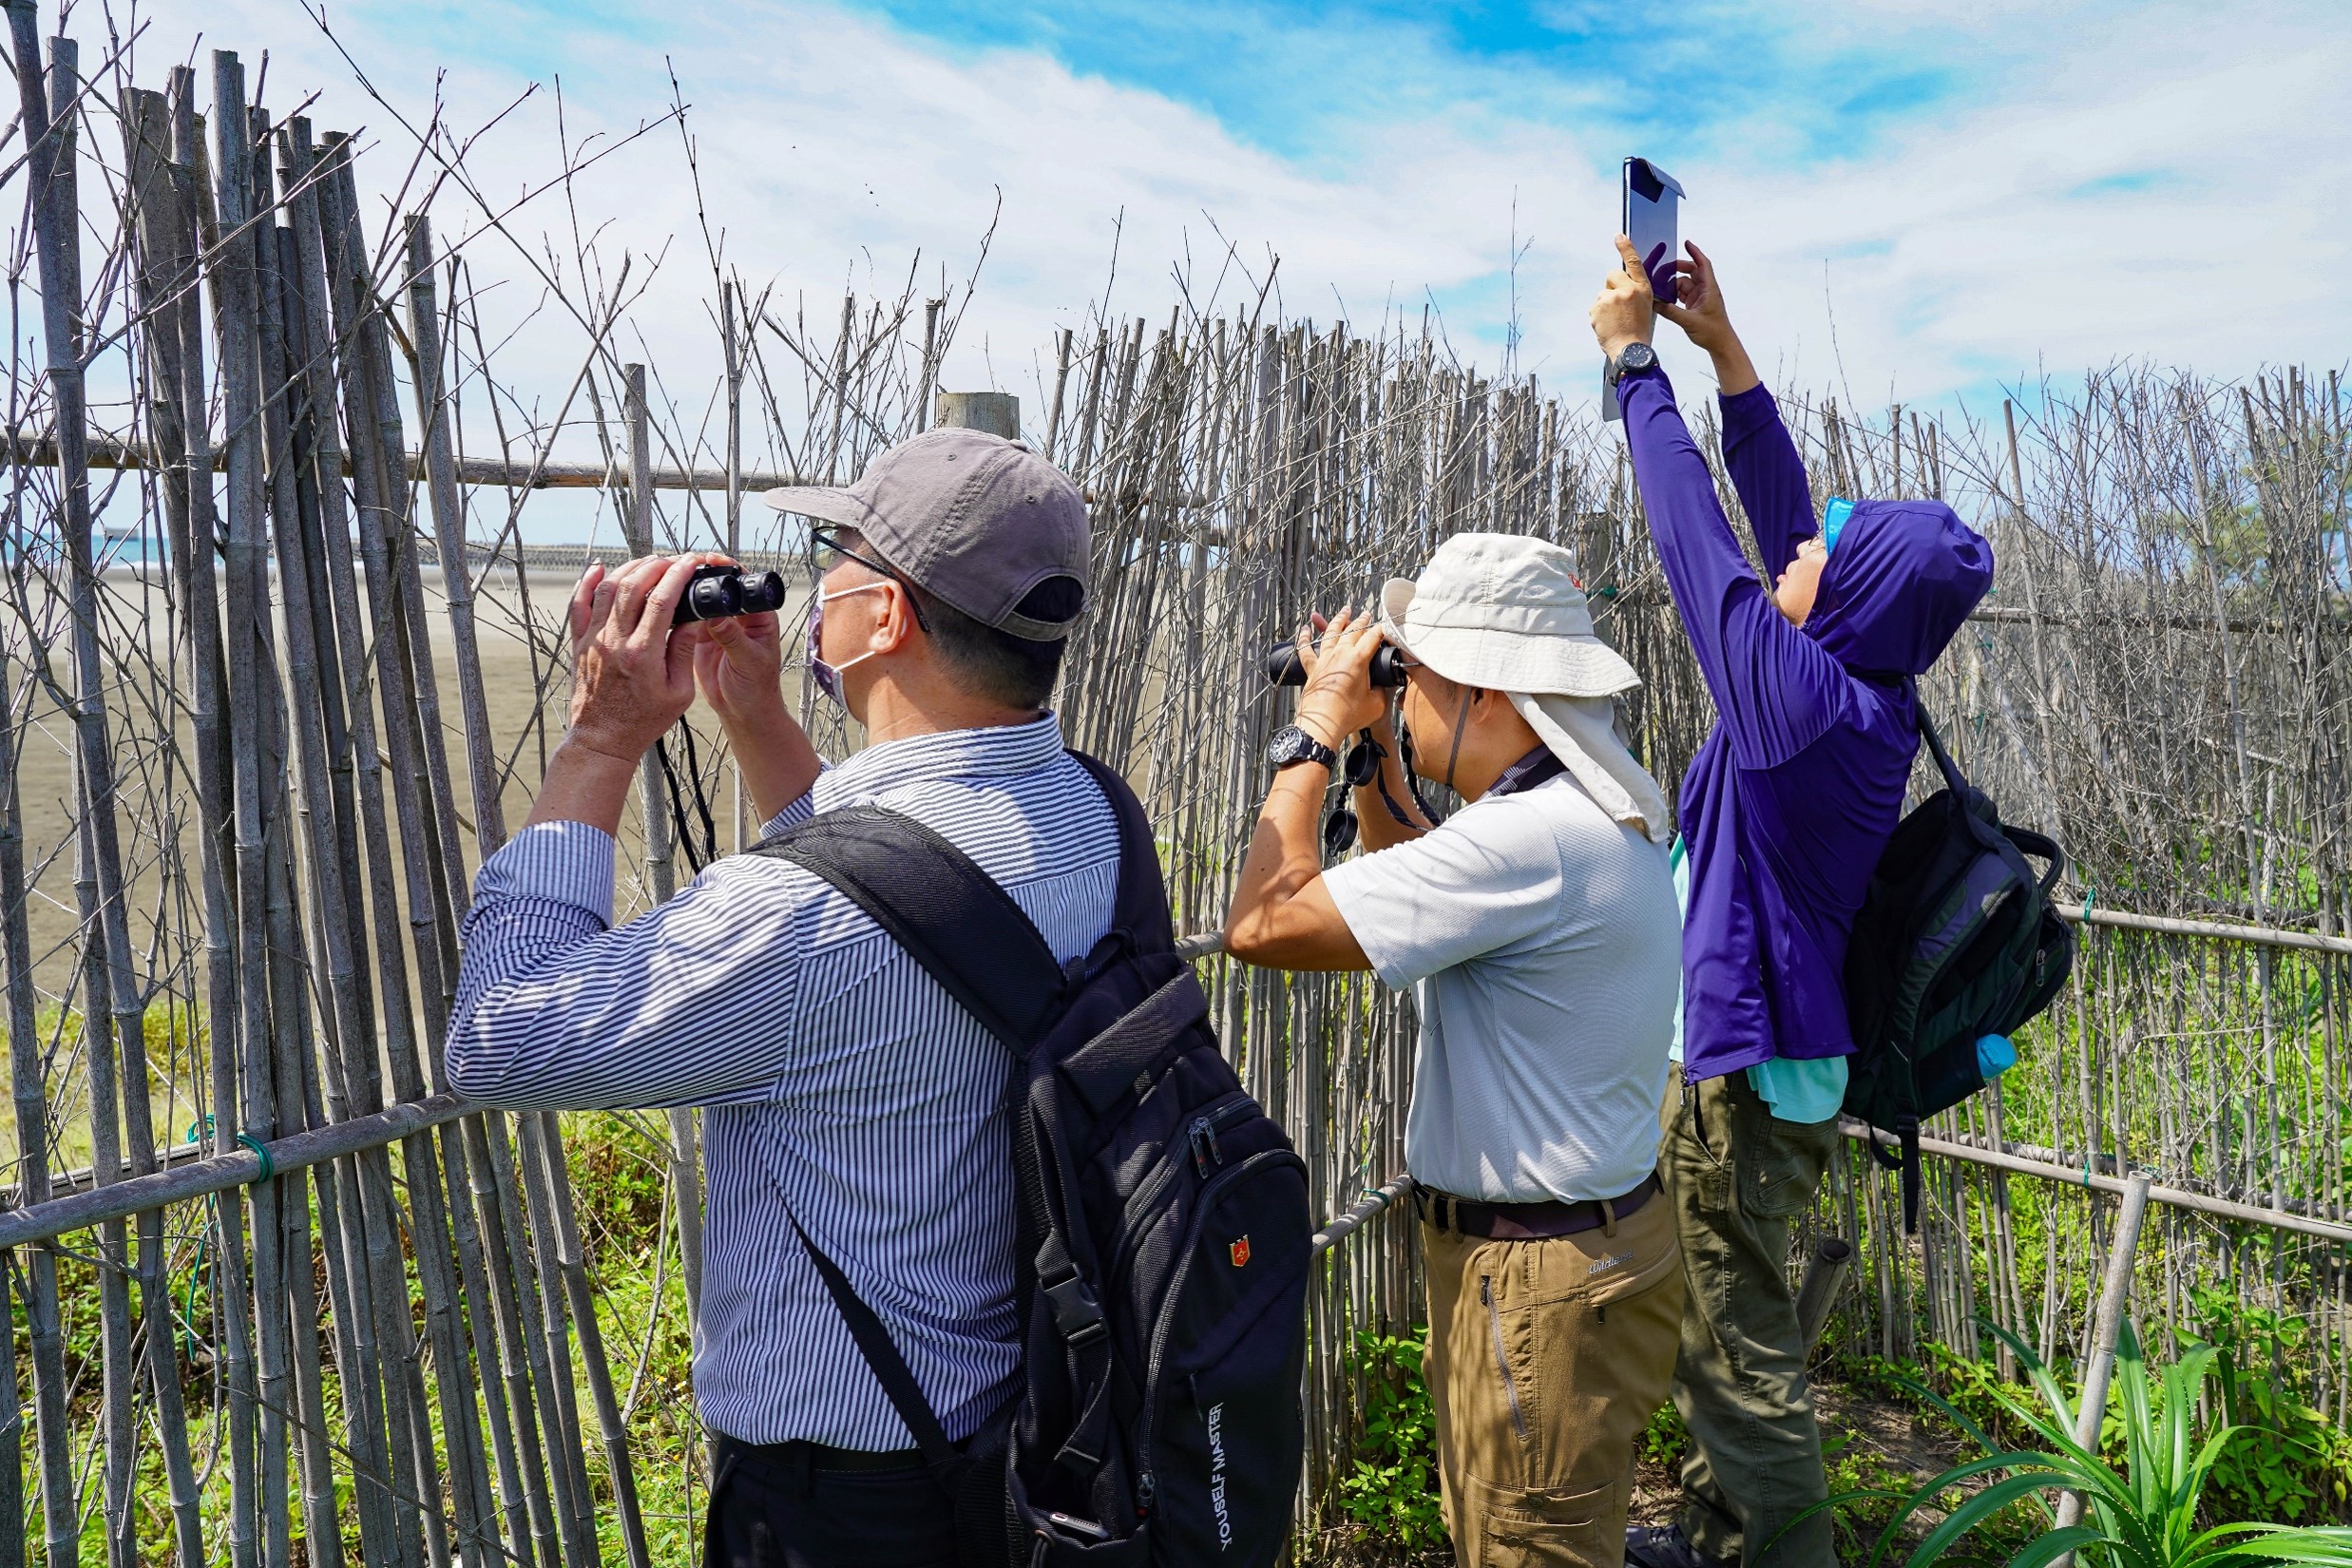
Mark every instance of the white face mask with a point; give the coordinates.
(828, 677)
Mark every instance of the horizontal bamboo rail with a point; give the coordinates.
(41, 451)
(1361, 1213)
(2264, 936)
(2219, 1208)
(194, 1178)
(201, 1177)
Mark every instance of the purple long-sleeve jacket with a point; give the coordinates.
(1792, 795)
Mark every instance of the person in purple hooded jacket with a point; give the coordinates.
(1785, 811)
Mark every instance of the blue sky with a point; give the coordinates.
(1911, 202)
(1298, 79)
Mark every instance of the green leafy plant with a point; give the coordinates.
(2143, 1514)
(1665, 1439)
(1392, 1491)
(2287, 1460)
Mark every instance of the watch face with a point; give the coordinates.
(1637, 356)
(1291, 744)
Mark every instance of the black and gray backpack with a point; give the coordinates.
(1957, 939)
(1164, 1235)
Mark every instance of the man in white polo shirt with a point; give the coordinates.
(1538, 931)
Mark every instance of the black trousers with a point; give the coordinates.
(776, 1507)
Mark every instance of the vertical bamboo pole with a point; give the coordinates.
(931, 364)
(147, 132)
(52, 1437)
(732, 325)
(95, 898)
(419, 1533)
(361, 1186)
(246, 612)
(323, 1078)
(2099, 1367)
(291, 1027)
(448, 518)
(12, 1432)
(55, 205)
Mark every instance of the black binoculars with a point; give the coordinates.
(1283, 668)
(716, 590)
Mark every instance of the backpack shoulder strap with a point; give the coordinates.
(1934, 742)
(951, 916)
(965, 931)
(1141, 911)
(882, 1358)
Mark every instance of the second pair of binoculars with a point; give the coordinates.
(1283, 668)
(716, 590)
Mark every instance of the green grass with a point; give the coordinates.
(177, 1050)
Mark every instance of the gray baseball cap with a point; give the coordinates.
(973, 517)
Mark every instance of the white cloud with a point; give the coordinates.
(1961, 246)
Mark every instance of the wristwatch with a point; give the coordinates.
(1637, 356)
(1292, 744)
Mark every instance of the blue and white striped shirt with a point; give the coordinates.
(839, 1079)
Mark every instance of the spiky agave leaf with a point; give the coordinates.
(2024, 1481)
(2143, 1516)
(2270, 1546)
(2047, 1549)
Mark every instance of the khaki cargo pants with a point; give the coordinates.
(1546, 1361)
(1739, 1176)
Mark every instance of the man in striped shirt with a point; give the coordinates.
(843, 1087)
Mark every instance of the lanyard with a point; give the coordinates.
(1528, 772)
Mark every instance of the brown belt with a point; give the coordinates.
(1528, 1221)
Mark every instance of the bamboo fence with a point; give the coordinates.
(275, 683)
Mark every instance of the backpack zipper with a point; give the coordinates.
(1202, 1135)
(1175, 1289)
(1494, 1316)
(1165, 1172)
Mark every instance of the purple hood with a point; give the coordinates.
(1902, 579)
(1791, 799)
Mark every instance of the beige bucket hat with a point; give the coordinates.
(1507, 613)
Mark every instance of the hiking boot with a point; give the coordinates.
(1665, 1546)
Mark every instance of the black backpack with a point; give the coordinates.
(1164, 1235)
(1957, 939)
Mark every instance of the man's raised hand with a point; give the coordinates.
(1340, 698)
(632, 670)
(740, 665)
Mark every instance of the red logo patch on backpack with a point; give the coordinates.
(1240, 1250)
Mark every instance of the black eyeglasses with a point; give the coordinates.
(825, 551)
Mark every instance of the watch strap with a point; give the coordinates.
(1616, 361)
(1306, 748)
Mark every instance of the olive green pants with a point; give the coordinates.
(1737, 1178)
(1545, 1360)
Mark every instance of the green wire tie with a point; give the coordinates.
(260, 1149)
(261, 1152)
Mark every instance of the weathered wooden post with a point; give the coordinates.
(999, 413)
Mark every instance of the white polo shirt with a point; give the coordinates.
(1544, 949)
